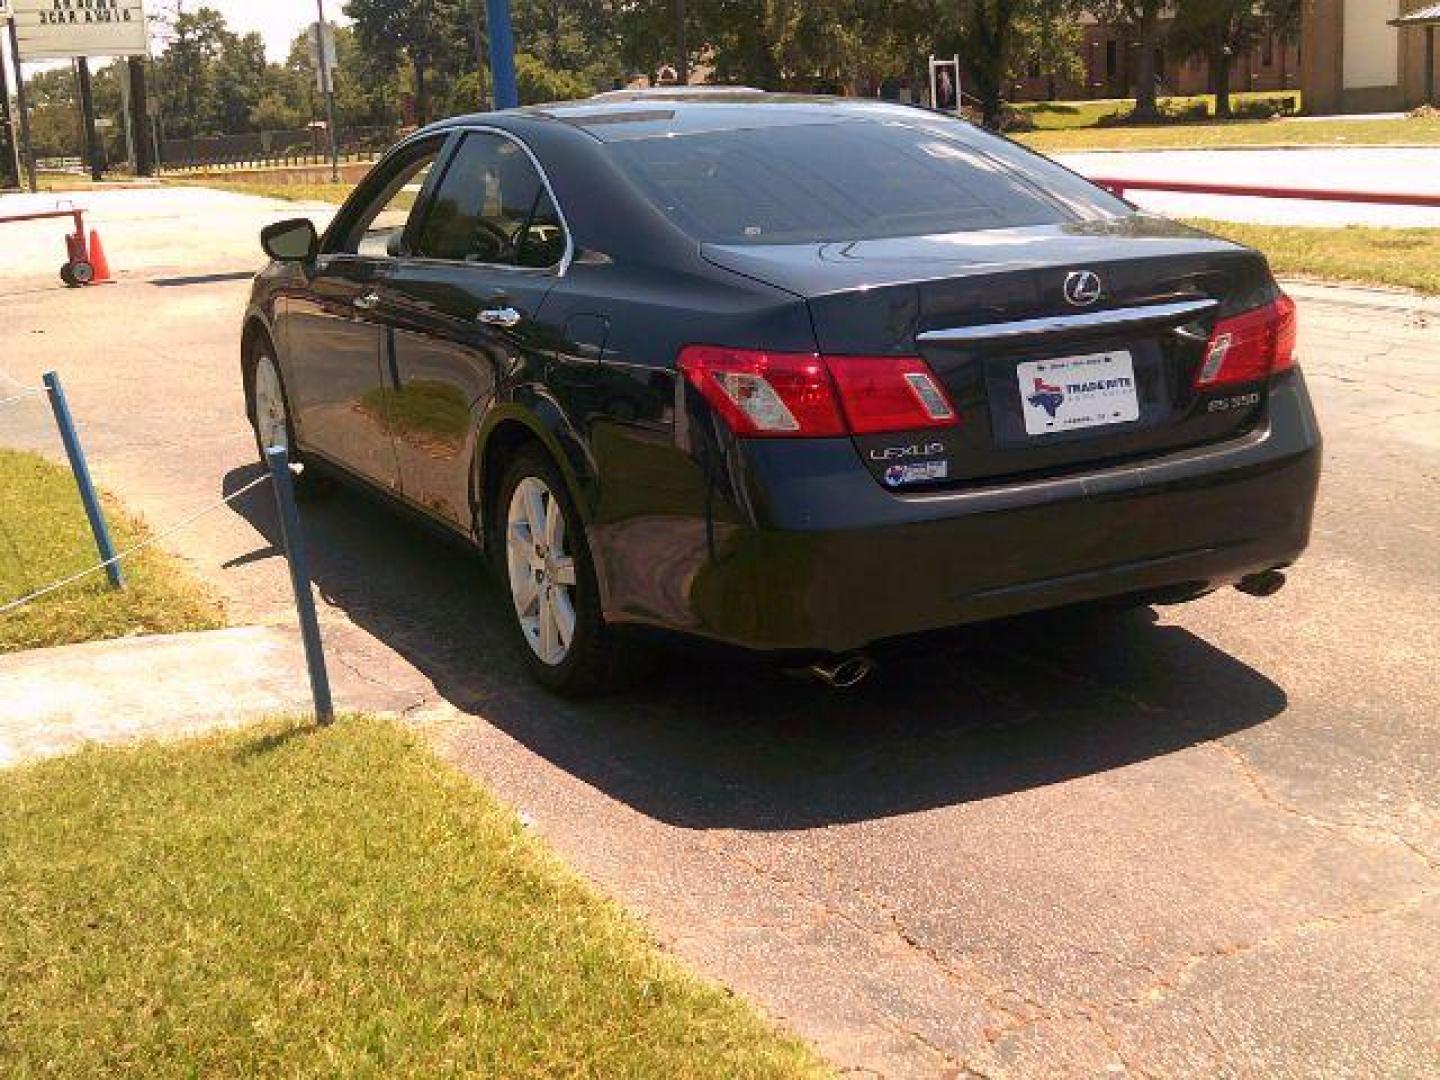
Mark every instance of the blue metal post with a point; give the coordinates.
(294, 542)
(76, 453)
(502, 54)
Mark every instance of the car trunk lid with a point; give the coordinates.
(1061, 347)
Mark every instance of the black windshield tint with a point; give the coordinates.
(848, 181)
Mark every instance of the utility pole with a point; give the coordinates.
(10, 162)
(682, 58)
(477, 28)
(27, 150)
(87, 119)
(327, 86)
(139, 117)
(502, 54)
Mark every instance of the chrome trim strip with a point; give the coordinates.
(1061, 324)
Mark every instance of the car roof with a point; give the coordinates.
(633, 114)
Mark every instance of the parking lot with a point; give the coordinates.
(1201, 840)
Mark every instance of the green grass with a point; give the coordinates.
(269, 189)
(44, 537)
(62, 181)
(1085, 113)
(294, 902)
(1239, 133)
(1407, 258)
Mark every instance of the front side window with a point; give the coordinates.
(493, 208)
(378, 231)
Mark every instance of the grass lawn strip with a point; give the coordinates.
(44, 537)
(1405, 258)
(287, 901)
(1251, 133)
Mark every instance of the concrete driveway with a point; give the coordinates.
(1411, 170)
(1196, 841)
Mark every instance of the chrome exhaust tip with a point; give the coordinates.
(1265, 583)
(843, 672)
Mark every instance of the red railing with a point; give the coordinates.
(1193, 187)
(78, 215)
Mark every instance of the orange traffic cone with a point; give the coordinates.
(98, 261)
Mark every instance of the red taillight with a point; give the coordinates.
(1250, 346)
(889, 393)
(765, 393)
(802, 394)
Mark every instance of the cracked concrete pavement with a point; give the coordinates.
(1194, 841)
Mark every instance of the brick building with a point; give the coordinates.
(1358, 60)
(1109, 59)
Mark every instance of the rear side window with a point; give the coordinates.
(492, 207)
(851, 180)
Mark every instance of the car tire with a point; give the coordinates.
(267, 403)
(67, 275)
(532, 563)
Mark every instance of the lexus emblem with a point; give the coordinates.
(1082, 287)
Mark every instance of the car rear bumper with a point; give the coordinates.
(839, 563)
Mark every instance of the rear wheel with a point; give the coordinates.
(551, 582)
(82, 271)
(270, 419)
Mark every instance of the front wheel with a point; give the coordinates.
(270, 418)
(551, 581)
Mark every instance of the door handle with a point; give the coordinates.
(367, 302)
(502, 316)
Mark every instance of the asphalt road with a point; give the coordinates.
(1195, 841)
(1406, 169)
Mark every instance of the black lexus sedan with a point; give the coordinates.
(795, 374)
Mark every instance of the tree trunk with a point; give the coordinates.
(1149, 29)
(1220, 68)
(422, 106)
(992, 65)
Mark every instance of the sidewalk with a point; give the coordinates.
(167, 686)
(1372, 168)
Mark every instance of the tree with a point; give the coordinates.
(431, 36)
(275, 112)
(1219, 31)
(790, 44)
(1049, 40)
(186, 71)
(988, 39)
(1139, 21)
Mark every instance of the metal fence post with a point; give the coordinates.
(294, 542)
(76, 453)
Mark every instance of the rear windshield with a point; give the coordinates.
(853, 180)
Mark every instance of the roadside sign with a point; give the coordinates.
(945, 84)
(60, 29)
(322, 44)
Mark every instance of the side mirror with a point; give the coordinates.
(294, 240)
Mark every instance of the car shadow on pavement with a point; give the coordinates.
(714, 744)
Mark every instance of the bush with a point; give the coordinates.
(539, 83)
(1262, 108)
(1013, 119)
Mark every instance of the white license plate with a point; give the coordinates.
(1073, 392)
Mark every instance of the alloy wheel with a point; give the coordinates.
(542, 570)
(270, 425)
